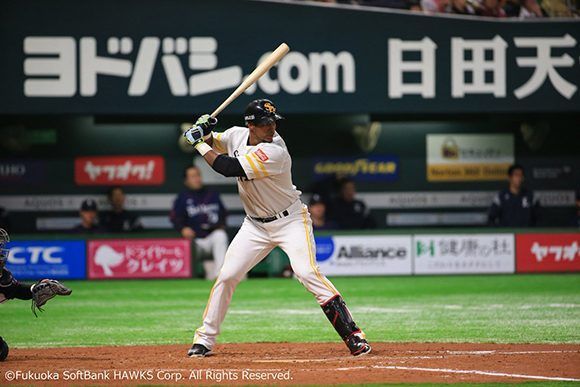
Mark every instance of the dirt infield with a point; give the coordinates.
(295, 363)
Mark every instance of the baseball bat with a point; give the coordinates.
(260, 70)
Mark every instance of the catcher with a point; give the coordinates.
(10, 288)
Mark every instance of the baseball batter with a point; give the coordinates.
(258, 157)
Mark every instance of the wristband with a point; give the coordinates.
(202, 148)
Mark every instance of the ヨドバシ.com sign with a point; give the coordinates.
(122, 170)
(139, 258)
(380, 67)
(548, 252)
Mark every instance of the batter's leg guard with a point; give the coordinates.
(339, 316)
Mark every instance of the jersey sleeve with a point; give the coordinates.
(266, 160)
(495, 210)
(220, 141)
(178, 214)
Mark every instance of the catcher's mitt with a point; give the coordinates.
(45, 290)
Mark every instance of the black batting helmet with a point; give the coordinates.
(261, 111)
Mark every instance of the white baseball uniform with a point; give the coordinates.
(266, 192)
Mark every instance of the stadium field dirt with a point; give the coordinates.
(460, 329)
(308, 363)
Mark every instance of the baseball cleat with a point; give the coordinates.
(363, 351)
(198, 350)
(357, 344)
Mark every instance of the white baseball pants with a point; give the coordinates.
(253, 242)
(215, 244)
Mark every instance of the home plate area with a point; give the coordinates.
(298, 363)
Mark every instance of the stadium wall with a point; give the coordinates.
(425, 252)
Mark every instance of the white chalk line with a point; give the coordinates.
(407, 310)
(297, 360)
(333, 359)
(471, 372)
(440, 370)
(496, 352)
(452, 353)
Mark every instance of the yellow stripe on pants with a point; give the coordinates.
(312, 259)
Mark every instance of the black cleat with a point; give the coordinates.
(357, 344)
(198, 350)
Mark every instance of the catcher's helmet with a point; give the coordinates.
(261, 111)
(4, 239)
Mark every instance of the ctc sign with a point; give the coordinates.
(35, 254)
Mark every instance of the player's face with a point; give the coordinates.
(88, 217)
(348, 191)
(117, 198)
(317, 210)
(517, 178)
(264, 132)
(193, 179)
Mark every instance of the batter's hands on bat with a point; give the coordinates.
(207, 123)
(194, 135)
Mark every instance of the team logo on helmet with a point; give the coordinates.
(269, 107)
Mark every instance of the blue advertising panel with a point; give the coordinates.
(47, 259)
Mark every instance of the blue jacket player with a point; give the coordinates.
(200, 216)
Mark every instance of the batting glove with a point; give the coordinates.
(207, 123)
(194, 135)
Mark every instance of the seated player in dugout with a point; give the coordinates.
(318, 214)
(349, 212)
(514, 206)
(10, 288)
(258, 157)
(89, 216)
(119, 219)
(200, 216)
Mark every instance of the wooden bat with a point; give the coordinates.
(262, 68)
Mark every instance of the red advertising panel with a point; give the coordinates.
(548, 252)
(139, 258)
(120, 170)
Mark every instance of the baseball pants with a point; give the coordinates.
(293, 234)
